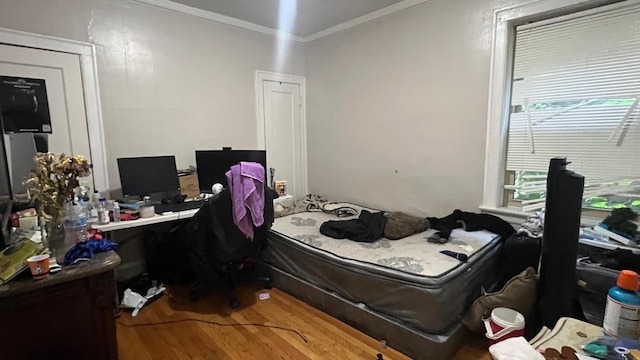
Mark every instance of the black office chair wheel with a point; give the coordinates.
(195, 292)
(233, 298)
(234, 303)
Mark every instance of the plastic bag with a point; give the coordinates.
(611, 348)
(135, 301)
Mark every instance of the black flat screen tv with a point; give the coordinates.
(213, 164)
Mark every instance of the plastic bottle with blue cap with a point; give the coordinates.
(622, 313)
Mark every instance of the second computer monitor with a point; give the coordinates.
(213, 164)
(142, 176)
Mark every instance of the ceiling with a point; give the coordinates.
(311, 16)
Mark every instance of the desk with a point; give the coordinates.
(133, 262)
(156, 219)
(67, 315)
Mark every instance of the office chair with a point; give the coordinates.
(218, 249)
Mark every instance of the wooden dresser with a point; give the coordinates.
(68, 315)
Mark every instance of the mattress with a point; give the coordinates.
(408, 280)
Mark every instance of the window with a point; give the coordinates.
(574, 92)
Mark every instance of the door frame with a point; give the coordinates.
(262, 76)
(89, 72)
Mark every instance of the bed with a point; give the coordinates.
(404, 291)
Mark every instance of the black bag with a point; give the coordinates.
(596, 275)
(520, 252)
(594, 282)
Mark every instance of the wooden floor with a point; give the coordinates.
(326, 337)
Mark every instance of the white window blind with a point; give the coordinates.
(575, 93)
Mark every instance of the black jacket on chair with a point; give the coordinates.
(217, 240)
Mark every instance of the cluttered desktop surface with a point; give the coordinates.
(154, 185)
(154, 190)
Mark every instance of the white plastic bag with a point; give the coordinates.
(133, 300)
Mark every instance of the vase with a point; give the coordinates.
(54, 238)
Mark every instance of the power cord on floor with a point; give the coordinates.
(218, 324)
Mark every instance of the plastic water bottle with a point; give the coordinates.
(103, 212)
(116, 212)
(622, 314)
(93, 207)
(75, 224)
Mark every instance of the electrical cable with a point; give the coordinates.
(218, 324)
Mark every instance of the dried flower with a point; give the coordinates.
(53, 181)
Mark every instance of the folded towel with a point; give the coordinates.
(516, 348)
(246, 183)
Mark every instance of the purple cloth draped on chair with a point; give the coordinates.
(246, 183)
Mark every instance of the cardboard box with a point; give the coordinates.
(189, 185)
(281, 187)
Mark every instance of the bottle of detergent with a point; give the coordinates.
(622, 314)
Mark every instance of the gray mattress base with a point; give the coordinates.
(413, 343)
(432, 305)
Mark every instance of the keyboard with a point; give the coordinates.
(189, 205)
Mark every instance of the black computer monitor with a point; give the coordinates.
(213, 164)
(142, 176)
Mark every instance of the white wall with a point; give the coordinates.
(397, 108)
(170, 83)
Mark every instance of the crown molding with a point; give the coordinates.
(399, 6)
(208, 15)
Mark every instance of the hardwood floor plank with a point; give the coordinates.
(328, 338)
(323, 324)
(130, 335)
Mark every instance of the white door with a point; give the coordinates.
(63, 79)
(285, 134)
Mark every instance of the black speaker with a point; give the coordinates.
(560, 242)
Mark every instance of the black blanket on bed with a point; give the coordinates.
(368, 227)
(469, 222)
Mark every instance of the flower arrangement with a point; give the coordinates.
(53, 182)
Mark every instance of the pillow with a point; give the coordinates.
(519, 294)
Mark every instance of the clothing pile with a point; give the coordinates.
(469, 222)
(371, 226)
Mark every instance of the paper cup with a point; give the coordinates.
(39, 266)
(147, 211)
